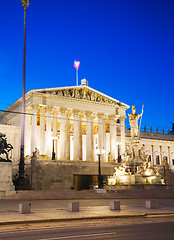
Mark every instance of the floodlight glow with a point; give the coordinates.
(147, 172)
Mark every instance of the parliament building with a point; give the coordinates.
(64, 127)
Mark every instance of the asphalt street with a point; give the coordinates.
(152, 231)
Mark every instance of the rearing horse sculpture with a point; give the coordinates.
(4, 146)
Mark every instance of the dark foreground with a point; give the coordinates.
(150, 231)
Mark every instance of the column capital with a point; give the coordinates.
(81, 116)
(75, 111)
(54, 112)
(68, 115)
(42, 109)
(88, 113)
(122, 118)
(93, 117)
(112, 117)
(62, 110)
(100, 115)
(34, 106)
(49, 108)
(28, 109)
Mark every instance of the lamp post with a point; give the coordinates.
(21, 181)
(53, 152)
(100, 178)
(119, 156)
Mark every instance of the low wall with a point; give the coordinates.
(59, 174)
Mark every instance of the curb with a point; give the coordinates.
(85, 218)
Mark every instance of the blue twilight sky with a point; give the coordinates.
(126, 50)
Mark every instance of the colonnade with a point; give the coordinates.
(159, 154)
(41, 132)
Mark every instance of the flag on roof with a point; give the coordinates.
(77, 64)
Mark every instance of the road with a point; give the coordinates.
(152, 231)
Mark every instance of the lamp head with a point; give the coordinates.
(25, 3)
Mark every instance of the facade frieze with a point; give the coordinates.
(82, 94)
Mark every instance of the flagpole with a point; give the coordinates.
(77, 77)
(77, 65)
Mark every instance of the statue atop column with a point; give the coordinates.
(133, 120)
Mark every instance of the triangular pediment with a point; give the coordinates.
(81, 92)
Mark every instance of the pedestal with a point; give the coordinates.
(6, 184)
(135, 144)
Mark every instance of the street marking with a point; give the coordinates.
(79, 236)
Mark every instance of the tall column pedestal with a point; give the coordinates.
(135, 144)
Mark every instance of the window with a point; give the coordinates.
(157, 160)
(149, 158)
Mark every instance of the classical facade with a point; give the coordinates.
(64, 126)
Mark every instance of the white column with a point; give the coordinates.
(27, 141)
(48, 140)
(92, 138)
(42, 131)
(113, 137)
(152, 149)
(168, 158)
(100, 134)
(76, 135)
(161, 155)
(54, 114)
(67, 150)
(122, 121)
(88, 136)
(34, 129)
(62, 133)
(104, 141)
(80, 137)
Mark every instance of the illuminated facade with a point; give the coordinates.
(67, 124)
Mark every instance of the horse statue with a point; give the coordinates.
(4, 146)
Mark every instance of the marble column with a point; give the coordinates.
(88, 136)
(113, 138)
(92, 137)
(42, 131)
(168, 158)
(48, 139)
(34, 128)
(27, 141)
(81, 116)
(100, 134)
(67, 145)
(161, 155)
(54, 114)
(152, 149)
(104, 140)
(122, 122)
(62, 133)
(76, 135)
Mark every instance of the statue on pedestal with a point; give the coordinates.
(4, 147)
(133, 119)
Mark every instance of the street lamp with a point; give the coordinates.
(53, 152)
(100, 178)
(21, 181)
(119, 155)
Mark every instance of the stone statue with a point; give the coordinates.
(4, 146)
(129, 153)
(133, 120)
(143, 154)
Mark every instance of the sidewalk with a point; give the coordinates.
(52, 206)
